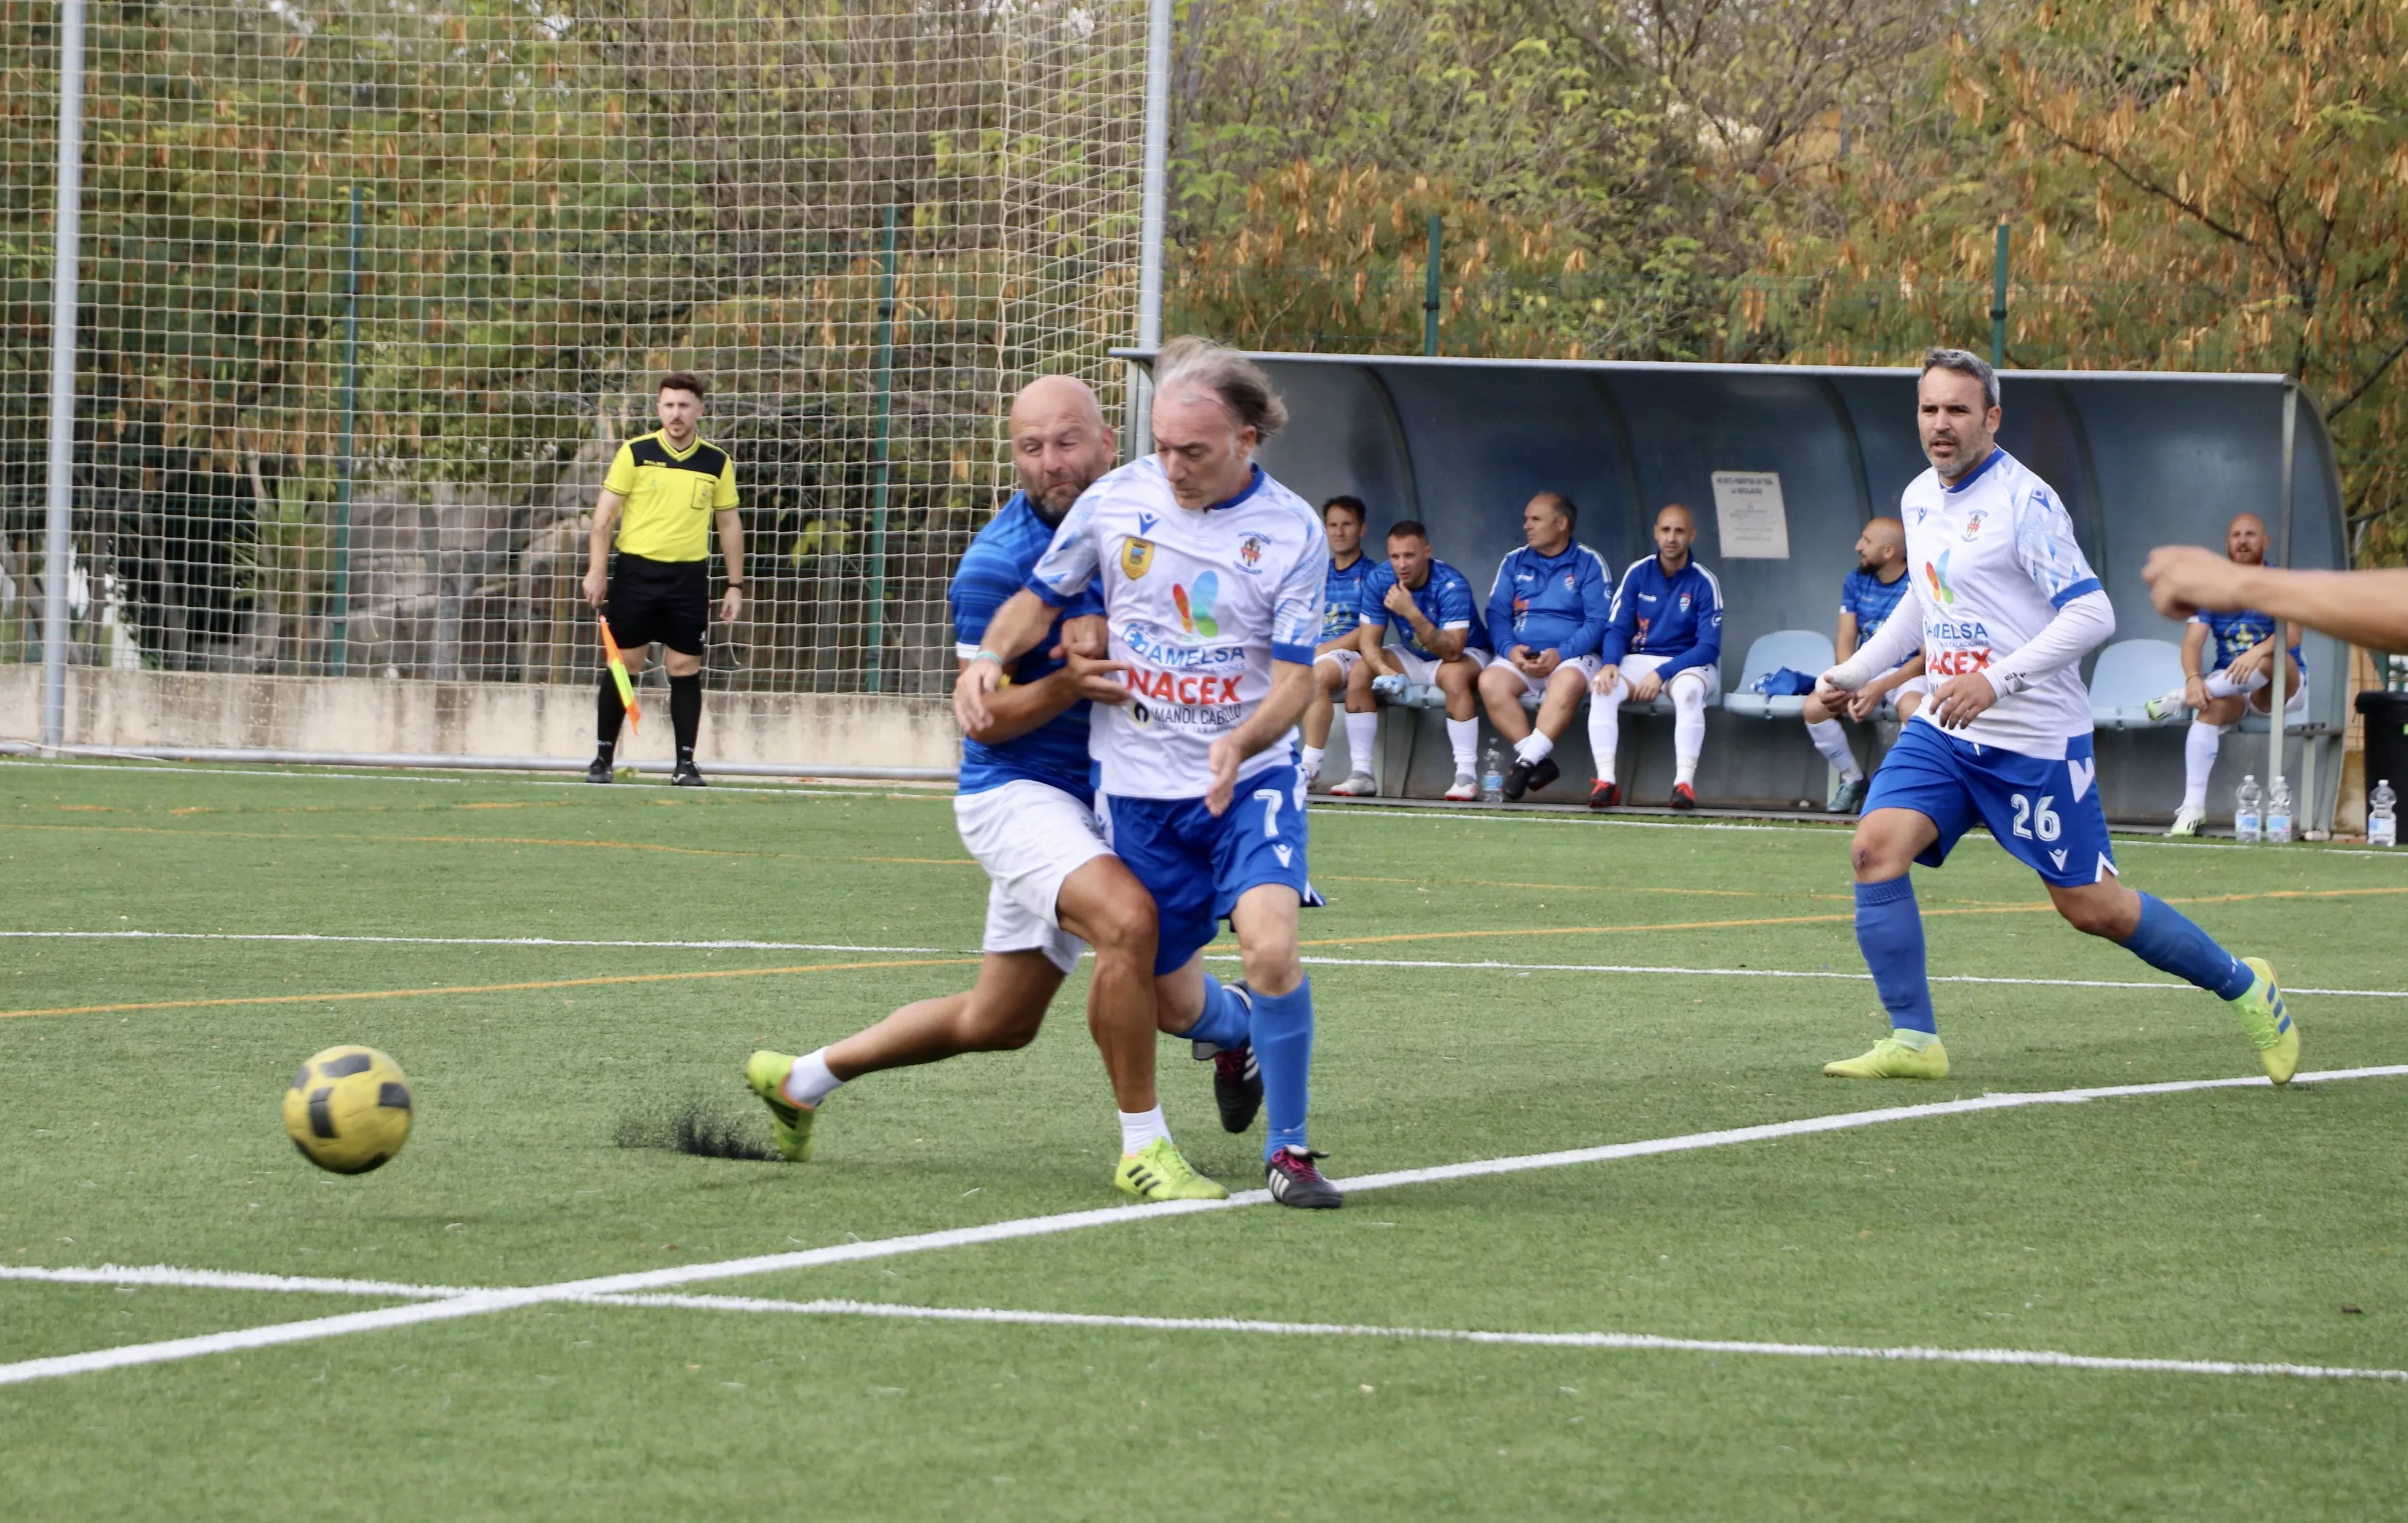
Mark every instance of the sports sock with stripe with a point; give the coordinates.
(1889, 932)
(1283, 1052)
(1362, 739)
(1225, 1022)
(2169, 941)
(1832, 741)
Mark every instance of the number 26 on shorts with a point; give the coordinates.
(2037, 819)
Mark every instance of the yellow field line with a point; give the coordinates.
(490, 988)
(1572, 887)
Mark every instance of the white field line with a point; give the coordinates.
(479, 1303)
(1485, 966)
(163, 1276)
(454, 941)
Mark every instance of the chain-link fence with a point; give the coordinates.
(371, 291)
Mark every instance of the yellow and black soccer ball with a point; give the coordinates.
(349, 1109)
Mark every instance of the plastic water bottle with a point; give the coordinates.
(2278, 811)
(2247, 817)
(1492, 776)
(2381, 820)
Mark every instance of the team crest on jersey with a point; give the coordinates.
(1572, 581)
(1685, 602)
(1973, 525)
(1250, 553)
(1137, 557)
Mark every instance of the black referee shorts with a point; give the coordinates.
(669, 601)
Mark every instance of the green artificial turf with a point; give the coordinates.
(2218, 1225)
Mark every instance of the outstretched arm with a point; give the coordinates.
(2363, 607)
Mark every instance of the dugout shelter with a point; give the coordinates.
(1782, 465)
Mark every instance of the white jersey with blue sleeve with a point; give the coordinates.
(1200, 603)
(1993, 559)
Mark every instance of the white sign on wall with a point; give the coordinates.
(1749, 517)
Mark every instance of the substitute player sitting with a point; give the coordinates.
(1666, 637)
(1421, 624)
(1867, 599)
(2236, 671)
(1026, 812)
(1212, 576)
(1547, 612)
(1338, 660)
(665, 493)
(2004, 606)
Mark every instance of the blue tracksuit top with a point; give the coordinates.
(1559, 603)
(1679, 618)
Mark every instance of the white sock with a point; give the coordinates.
(1533, 749)
(2220, 685)
(809, 1082)
(1311, 760)
(1462, 736)
(1605, 728)
(1688, 729)
(1139, 1129)
(1362, 739)
(2200, 746)
(1832, 741)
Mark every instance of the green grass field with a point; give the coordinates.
(1475, 1001)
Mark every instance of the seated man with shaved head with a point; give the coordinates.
(1666, 636)
(2228, 661)
(1867, 599)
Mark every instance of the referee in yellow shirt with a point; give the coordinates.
(663, 493)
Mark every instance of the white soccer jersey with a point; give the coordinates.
(1993, 559)
(1200, 604)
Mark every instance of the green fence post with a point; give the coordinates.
(1999, 305)
(340, 603)
(1429, 297)
(874, 677)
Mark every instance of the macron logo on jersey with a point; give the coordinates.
(1145, 522)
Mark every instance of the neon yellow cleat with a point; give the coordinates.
(1160, 1173)
(2267, 1024)
(1892, 1060)
(764, 1074)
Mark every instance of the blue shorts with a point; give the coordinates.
(1197, 865)
(2045, 813)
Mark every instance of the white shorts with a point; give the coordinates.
(1030, 836)
(1344, 659)
(1422, 669)
(1711, 675)
(2293, 700)
(1535, 686)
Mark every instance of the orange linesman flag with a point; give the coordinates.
(619, 674)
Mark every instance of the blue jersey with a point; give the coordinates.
(1342, 597)
(2230, 636)
(1559, 603)
(1444, 599)
(1679, 618)
(995, 566)
(1872, 599)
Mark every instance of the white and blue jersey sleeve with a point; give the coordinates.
(1069, 562)
(2045, 546)
(1297, 605)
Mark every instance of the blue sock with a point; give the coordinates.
(1889, 932)
(1283, 1050)
(1224, 1022)
(2167, 940)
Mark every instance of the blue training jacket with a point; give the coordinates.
(1559, 603)
(997, 565)
(1679, 618)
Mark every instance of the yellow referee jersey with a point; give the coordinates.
(670, 496)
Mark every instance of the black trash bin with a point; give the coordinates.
(2386, 738)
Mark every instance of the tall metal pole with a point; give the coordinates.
(58, 540)
(341, 600)
(1999, 305)
(872, 661)
(1430, 290)
(1152, 204)
(2283, 556)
